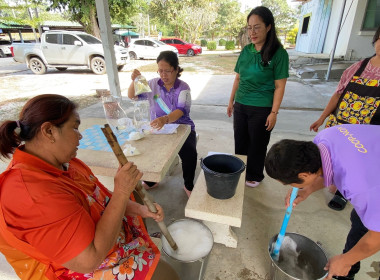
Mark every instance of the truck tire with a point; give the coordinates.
(120, 67)
(61, 68)
(37, 66)
(98, 65)
(132, 55)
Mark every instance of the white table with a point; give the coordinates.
(157, 153)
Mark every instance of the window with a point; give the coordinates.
(372, 15)
(69, 39)
(52, 38)
(149, 43)
(139, 42)
(305, 24)
(176, 41)
(89, 39)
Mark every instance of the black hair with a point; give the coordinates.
(287, 158)
(53, 108)
(272, 43)
(376, 36)
(171, 58)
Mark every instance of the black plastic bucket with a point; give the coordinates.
(222, 174)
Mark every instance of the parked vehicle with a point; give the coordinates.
(63, 49)
(148, 48)
(5, 48)
(182, 46)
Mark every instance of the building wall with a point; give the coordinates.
(319, 12)
(352, 43)
(360, 41)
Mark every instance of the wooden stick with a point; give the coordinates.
(112, 140)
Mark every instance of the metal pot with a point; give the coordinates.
(307, 262)
(188, 269)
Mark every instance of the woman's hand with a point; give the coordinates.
(158, 123)
(126, 179)
(315, 125)
(146, 213)
(337, 266)
(301, 196)
(271, 121)
(135, 73)
(230, 109)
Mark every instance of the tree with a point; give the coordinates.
(285, 17)
(229, 20)
(84, 11)
(187, 18)
(25, 12)
(194, 28)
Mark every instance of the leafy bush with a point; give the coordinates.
(230, 45)
(222, 42)
(197, 42)
(203, 43)
(211, 46)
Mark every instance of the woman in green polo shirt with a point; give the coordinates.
(261, 73)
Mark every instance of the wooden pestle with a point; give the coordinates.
(112, 140)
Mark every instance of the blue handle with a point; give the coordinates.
(280, 237)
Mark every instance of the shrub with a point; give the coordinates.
(203, 43)
(222, 42)
(211, 46)
(197, 42)
(230, 45)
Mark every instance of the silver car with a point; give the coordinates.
(148, 48)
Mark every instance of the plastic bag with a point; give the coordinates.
(141, 85)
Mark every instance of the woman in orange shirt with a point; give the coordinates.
(57, 221)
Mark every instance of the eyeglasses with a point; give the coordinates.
(255, 28)
(167, 72)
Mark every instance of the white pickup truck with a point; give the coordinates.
(62, 49)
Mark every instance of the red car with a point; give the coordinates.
(183, 47)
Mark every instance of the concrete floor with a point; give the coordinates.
(263, 209)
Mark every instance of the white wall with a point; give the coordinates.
(360, 41)
(304, 40)
(350, 37)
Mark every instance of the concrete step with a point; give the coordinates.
(319, 71)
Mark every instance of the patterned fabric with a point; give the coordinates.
(370, 72)
(354, 109)
(360, 100)
(55, 219)
(94, 139)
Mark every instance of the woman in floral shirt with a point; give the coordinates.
(57, 221)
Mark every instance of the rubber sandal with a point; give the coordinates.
(147, 187)
(337, 203)
(252, 184)
(187, 192)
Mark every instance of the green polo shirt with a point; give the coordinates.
(256, 86)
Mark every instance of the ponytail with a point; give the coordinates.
(9, 138)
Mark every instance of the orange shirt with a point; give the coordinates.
(49, 216)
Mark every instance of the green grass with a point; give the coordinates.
(217, 64)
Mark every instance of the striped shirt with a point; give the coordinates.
(370, 72)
